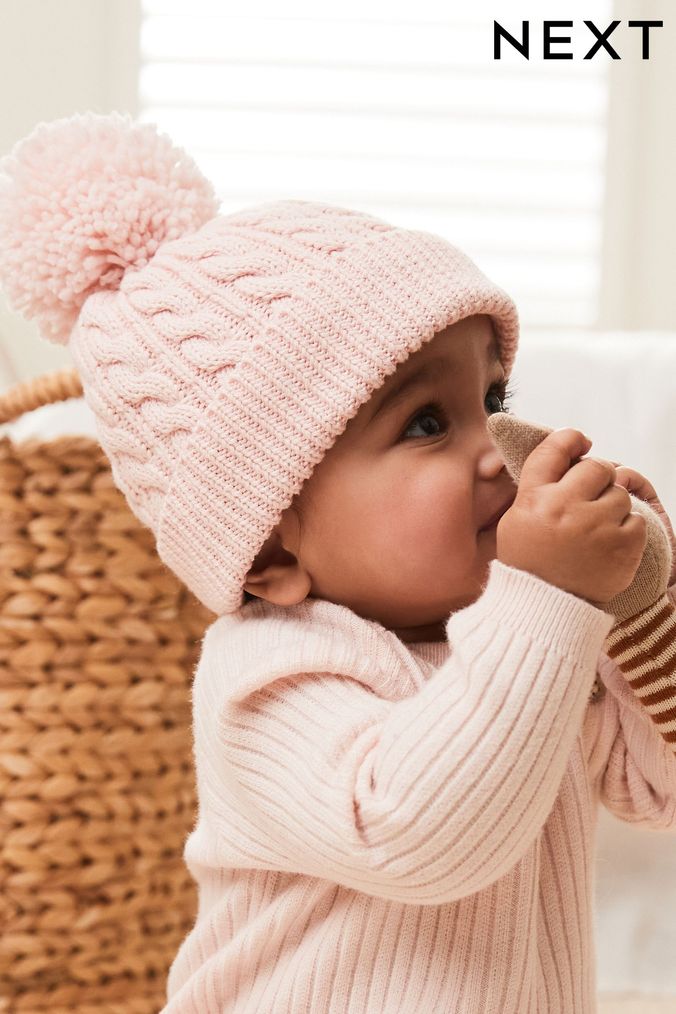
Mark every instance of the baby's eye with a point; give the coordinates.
(433, 410)
(503, 392)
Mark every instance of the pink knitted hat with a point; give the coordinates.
(222, 355)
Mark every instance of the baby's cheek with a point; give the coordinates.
(420, 517)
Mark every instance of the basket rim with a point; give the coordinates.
(27, 395)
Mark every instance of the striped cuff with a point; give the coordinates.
(643, 647)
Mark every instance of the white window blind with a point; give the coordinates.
(399, 109)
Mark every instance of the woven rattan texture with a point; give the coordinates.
(98, 643)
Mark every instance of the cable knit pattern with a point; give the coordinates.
(222, 355)
(402, 828)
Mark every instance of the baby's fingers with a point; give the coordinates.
(642, 488)
(634, 482)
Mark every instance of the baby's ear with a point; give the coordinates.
(515, 439)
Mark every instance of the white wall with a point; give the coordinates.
(58, 57)
(639, 245)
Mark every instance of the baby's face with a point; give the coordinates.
(390, 517)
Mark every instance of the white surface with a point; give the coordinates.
(635, 908)
(61, 418)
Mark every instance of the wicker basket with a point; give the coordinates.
(98, 644)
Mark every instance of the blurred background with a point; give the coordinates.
(556, 176)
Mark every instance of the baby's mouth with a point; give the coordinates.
(492, 524)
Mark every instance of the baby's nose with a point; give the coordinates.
(492, 459)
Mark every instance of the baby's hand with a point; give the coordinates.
(570, 523)
(642, 488)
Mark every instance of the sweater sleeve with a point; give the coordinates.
(633, 765)
(432, 797)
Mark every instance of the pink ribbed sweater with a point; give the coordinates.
(405, 829)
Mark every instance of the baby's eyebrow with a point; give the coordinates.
(426, 371)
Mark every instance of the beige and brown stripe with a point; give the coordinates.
(644, 649)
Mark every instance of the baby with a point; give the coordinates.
(397, 764)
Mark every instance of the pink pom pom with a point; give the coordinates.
(81, 200)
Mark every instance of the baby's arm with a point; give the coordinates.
(425, 799)
(634, 764)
